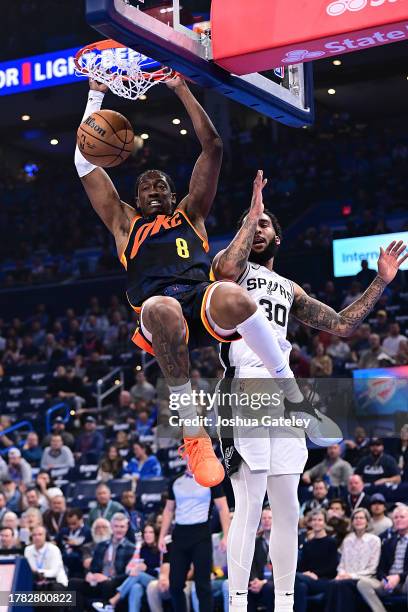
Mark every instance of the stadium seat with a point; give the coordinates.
(149, 494)
(117, 486)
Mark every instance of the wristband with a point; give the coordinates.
(95, 99)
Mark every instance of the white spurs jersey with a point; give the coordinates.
(274, 295)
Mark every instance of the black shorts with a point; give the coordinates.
(193, 302)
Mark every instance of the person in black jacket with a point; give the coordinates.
(70, 540)
(392, 572)
(108, 566)
(318, 561)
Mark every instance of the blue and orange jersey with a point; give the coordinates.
(161, 252)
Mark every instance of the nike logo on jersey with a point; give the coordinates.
(160, 223)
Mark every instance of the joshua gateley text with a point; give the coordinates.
(237, 421)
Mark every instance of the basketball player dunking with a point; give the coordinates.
(270, 463)
(163, 246)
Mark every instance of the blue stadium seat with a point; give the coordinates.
(117, 486)
(149, 494)
(171, 462)
(83, 472)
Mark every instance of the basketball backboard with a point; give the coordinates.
(180, 37)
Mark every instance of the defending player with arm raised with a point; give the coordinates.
(258, 240)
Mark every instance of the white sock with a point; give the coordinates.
(284, 601)
(179, 395)
(238, 601)
(261, 338)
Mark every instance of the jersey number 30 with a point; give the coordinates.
(182, 248)
(279, 316)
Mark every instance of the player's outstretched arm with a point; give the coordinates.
(231, 263)
(319, 315)
(100, 190)
(204, 179)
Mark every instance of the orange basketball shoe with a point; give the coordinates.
(202, 461)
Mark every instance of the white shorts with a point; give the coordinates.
(277, 449)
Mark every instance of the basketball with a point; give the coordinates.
(105, 138)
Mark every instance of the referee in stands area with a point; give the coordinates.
(191, 503)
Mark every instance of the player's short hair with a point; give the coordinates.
(275, 223)
(166, 176)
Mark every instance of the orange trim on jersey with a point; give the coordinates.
(206, 246)
(212, 276)
(122, 257)
(235, 336)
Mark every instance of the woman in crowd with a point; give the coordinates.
(144, 464)
(111, 465)
(359, 559)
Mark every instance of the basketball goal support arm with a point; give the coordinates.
(204, 179)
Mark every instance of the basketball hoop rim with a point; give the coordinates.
(109, 43)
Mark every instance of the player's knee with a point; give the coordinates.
(162, 311)
(238, 304)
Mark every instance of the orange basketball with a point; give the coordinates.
(105, 138)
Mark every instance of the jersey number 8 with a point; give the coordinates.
(182, 248)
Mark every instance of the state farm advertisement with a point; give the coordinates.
(258, 35)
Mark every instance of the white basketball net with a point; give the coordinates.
(123, 70)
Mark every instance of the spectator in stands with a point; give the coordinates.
(44, 484)
(70, 540)
(400, 452)
(32, 451)
(106, 507)
(122, 442)
(321, 364)
(142, 570)
(68, 386)
(142, 389)
(337, 522)
(108, 566)
(359, 341)
(392, 573)
(395, 344)
(19, 470)
(29, 353)
(357, 448)
(356, 496)
(58, 427)
(339, 352)
(32, 500)
(379, 521)
(378, 468)
(354, 293)
(3, 468)
(96, 368)
(9, 439)
(334, 469)
(298, 362)
(55, 518)
(90, 443)
(11, 520)
(52, 351)
(57, 455)
(319, 500)
(111, 465)
(128, 500)
(371, 357)
(100, 532)
(144, 424)
(198, 383)
(30, 519)
(8, 543)
(46, 563)
(360, 555)
(380, 324)
(144, 464)
(3, 506)
(318, 561)
(366, 276)
(14, 498)
(165, 435)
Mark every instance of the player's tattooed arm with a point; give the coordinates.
(230, 263)
(204, 179)
(344, 323)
